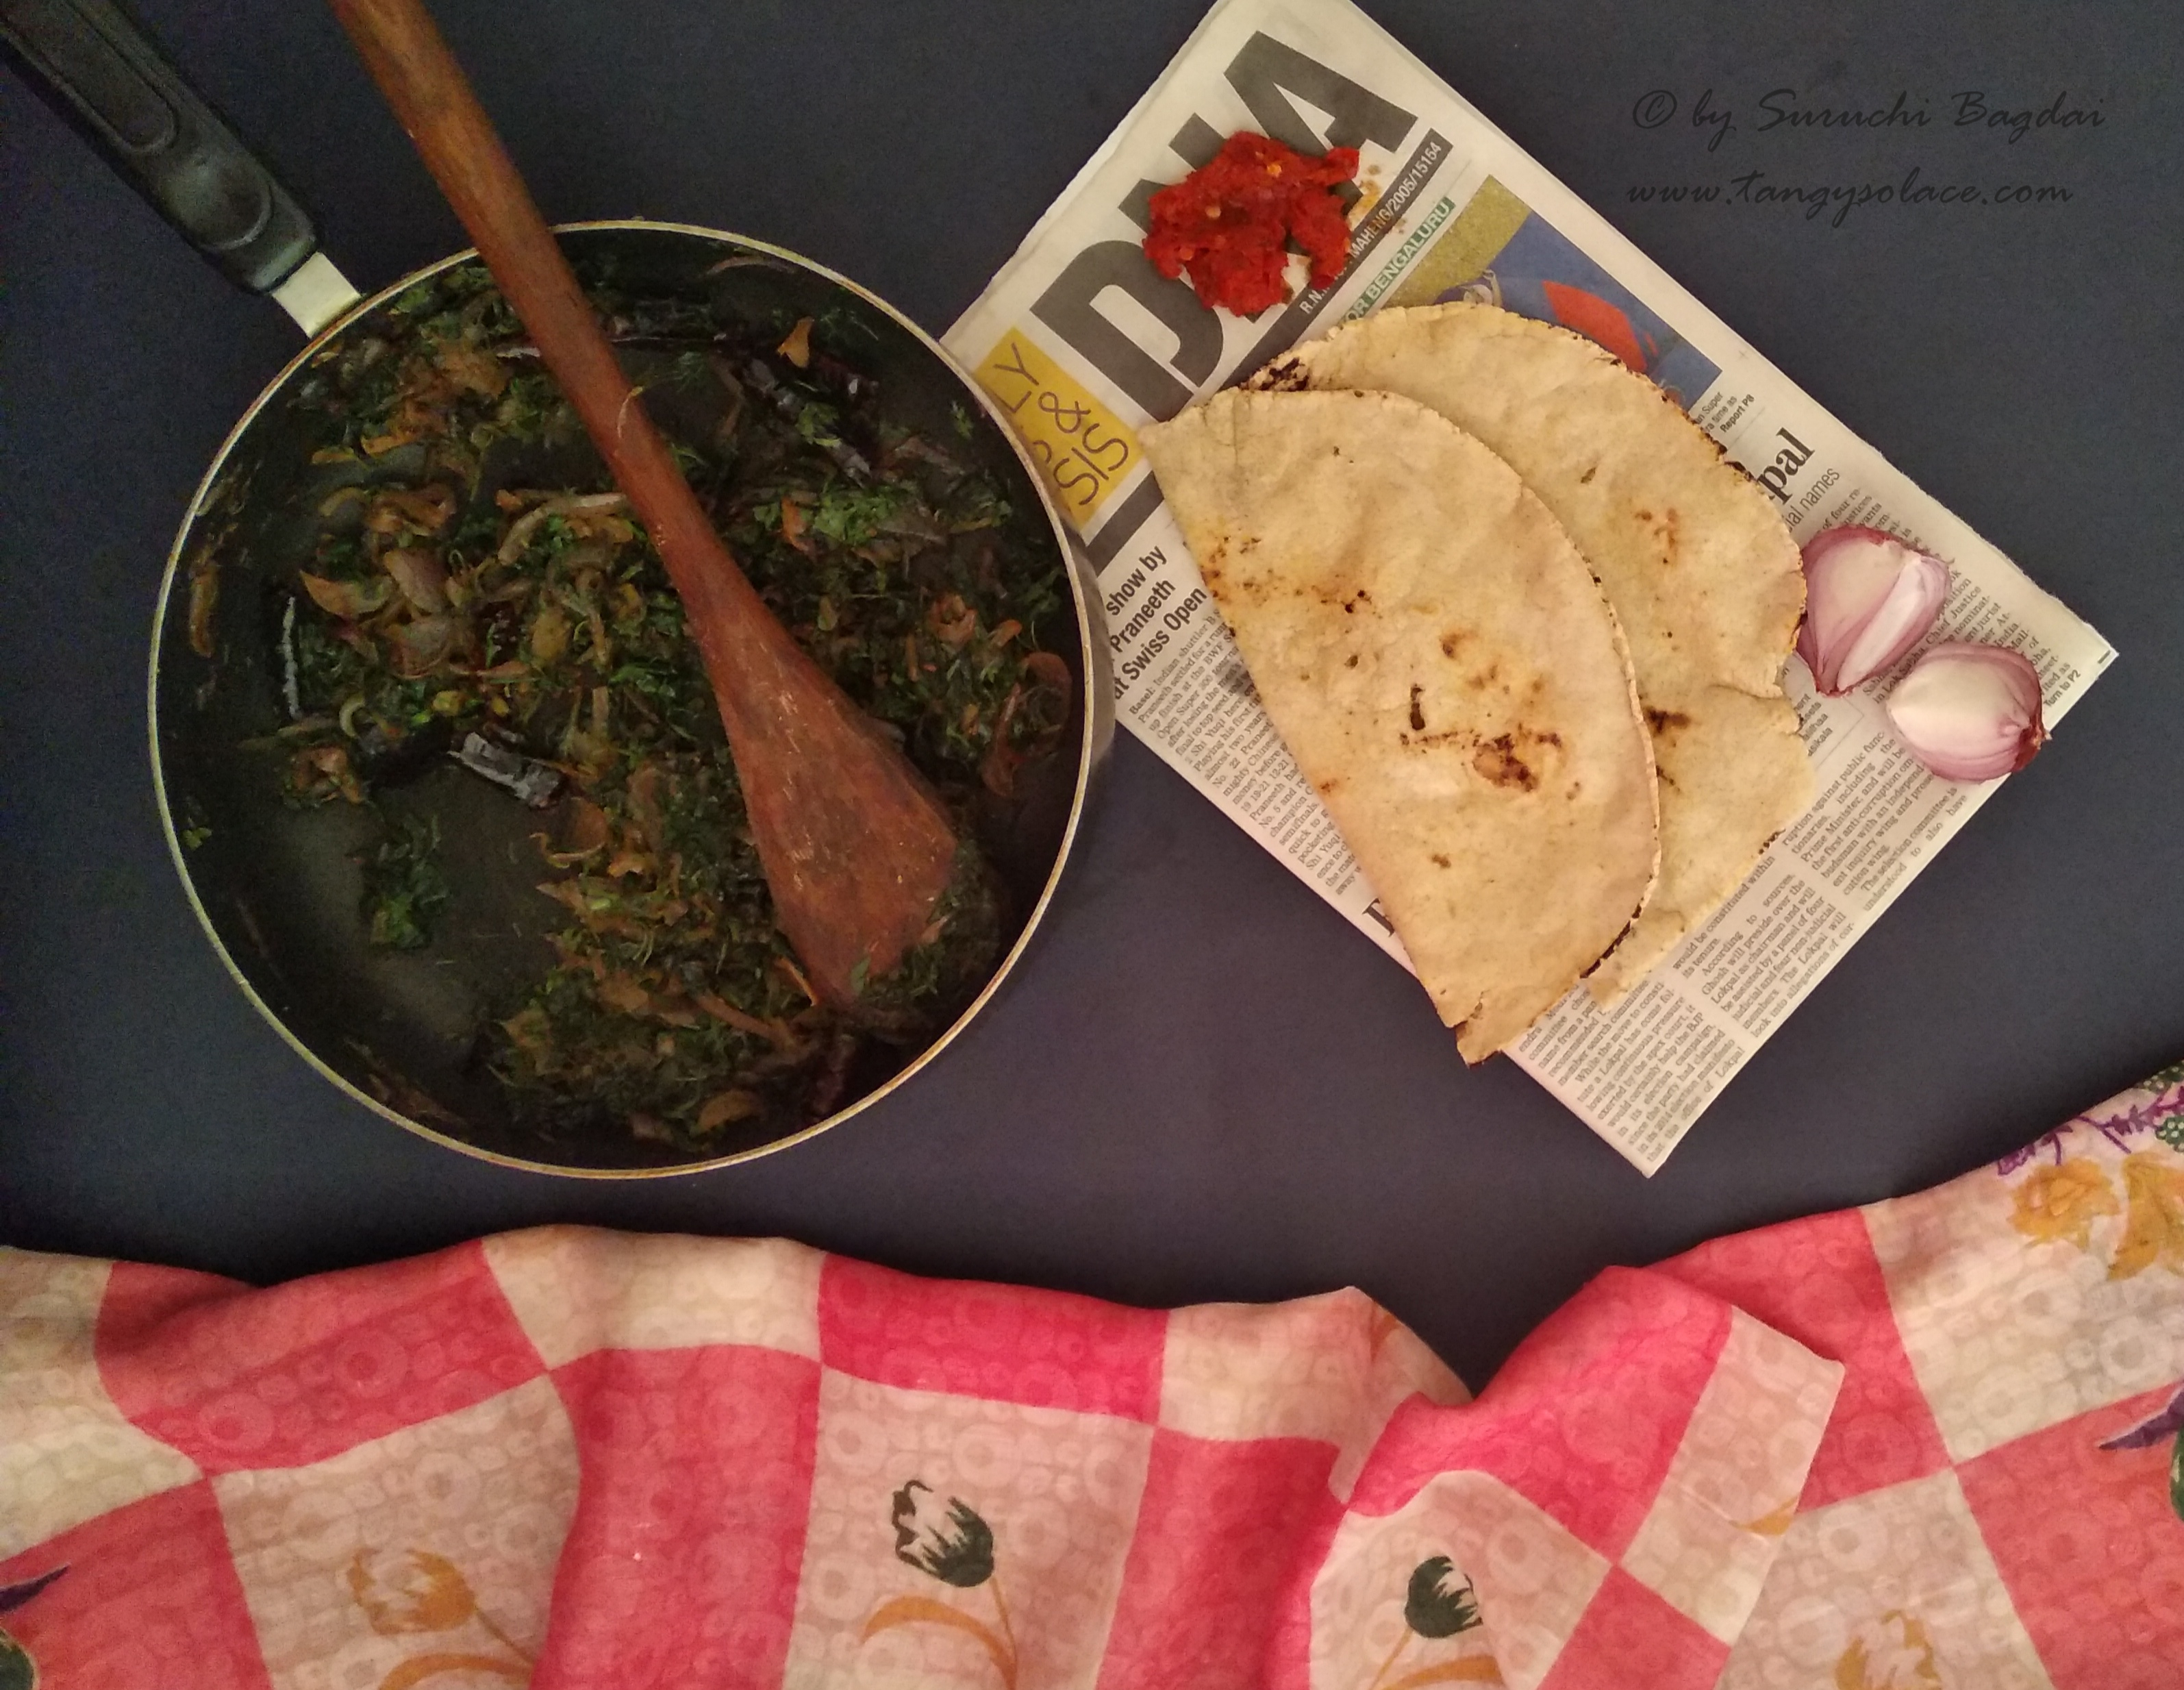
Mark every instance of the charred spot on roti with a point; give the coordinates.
(1585, 480)
(1665, 721)
(1511, 759)
(1417, 712)
(1498, 764)
(1441, 858)
(1350, 661)
(1645, 515)
(1665, 531)
(1449, 641)
(1286, 376)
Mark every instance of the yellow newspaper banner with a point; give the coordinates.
(1081, 447)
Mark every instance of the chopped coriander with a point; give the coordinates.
(403, 888)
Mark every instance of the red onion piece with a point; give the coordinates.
(350, 601)
(1969, 713)
(420, 576)
(1869, 598)
(421, 646)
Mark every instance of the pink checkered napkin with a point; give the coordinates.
(573, 1458)
(1996, 1503)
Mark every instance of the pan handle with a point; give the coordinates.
(101, 72)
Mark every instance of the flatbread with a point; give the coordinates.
(1701, 570)
(1447, 673)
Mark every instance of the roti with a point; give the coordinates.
(1447, 673)
(1701, 570)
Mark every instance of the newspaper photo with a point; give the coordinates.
(1081, 341)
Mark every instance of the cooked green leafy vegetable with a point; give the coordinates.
(445, 601)
(403, 886)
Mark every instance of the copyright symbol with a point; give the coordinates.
(1653, 109)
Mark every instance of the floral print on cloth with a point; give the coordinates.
(1933, 1444)
(1996, 1503)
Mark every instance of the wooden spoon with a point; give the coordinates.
(856, 848)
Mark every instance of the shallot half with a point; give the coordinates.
(1869, 598)
(1969, 713)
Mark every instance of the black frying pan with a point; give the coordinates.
(278, 887)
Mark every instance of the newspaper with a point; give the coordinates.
(1081, 341)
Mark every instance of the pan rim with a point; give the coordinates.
(1094, 738)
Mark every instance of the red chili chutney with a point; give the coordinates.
(1226, 222)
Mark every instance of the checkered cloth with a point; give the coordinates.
(575, 1459)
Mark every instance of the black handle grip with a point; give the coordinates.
(100, 71)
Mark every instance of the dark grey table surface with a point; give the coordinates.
(1203, 1084)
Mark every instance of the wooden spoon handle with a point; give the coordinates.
(433, 102)
(856, 849)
